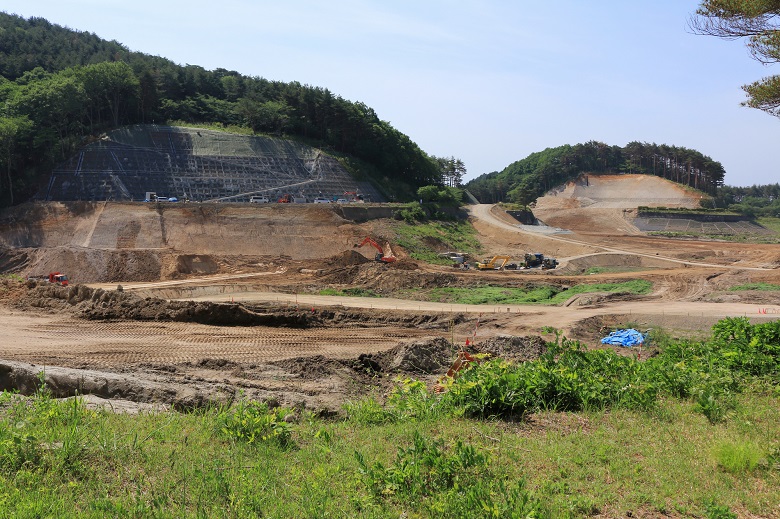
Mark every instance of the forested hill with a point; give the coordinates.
(60, 86)
(527, 179)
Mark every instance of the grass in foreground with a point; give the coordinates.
(572, 434)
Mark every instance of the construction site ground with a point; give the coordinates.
(186, 305)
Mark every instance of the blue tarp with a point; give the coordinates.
(626, 338)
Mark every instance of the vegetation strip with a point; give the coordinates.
(548, 294)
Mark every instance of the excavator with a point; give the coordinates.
(381, 256)
(493, 263)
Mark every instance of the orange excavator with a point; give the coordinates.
(383, 256)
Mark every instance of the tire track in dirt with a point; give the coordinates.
(68, 341)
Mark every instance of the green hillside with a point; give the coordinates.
(60, 88)
(527, 179)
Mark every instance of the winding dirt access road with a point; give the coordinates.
(485, 213)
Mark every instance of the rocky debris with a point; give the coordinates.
(317, 383)
(512, 348)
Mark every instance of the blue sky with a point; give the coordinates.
(486, 81)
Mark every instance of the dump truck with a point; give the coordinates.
(53, 277)
(494, 264)
(549, 263)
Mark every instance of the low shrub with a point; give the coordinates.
(253, 422)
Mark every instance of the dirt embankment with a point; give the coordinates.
(119, 242)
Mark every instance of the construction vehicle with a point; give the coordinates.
(463, 359)
(353, 196)
(533, 259)
(549, 263)
(383, 256)
(285, 199)
(493, 264)
(53, 277)
(458, 258)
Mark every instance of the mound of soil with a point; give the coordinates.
(310, 368)
(427, 356)
(347, 258)
(512, 348)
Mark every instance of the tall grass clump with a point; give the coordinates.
(445, 481)
(738, 457)
(570, 378)
(408, 400)
(253, 422)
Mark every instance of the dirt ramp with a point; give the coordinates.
(348, 258)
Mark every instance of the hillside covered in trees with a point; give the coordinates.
(59, 88)
(525, 180)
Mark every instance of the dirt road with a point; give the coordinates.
(485, 213)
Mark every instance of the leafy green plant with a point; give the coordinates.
(368, 411)
(566, 378)
(716, 511)
(253, 422)
(447, 482)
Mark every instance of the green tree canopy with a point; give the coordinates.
(73, 85)
(527, 179)
(759, 22)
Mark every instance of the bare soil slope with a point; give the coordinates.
(601, 203)
(115, 242)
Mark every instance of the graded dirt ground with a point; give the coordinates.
(218, 299)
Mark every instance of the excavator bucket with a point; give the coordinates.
(463, 359)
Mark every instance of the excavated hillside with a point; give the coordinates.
(115, 241)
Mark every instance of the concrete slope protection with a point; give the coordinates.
(198, 164)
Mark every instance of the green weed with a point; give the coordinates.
(253, 422)
(447, 482)
(738, 457)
